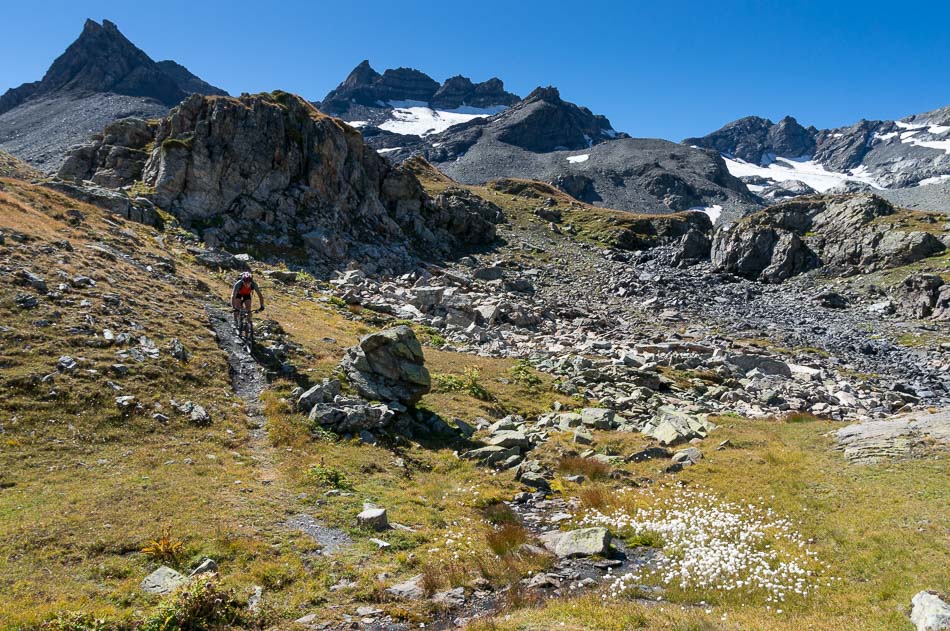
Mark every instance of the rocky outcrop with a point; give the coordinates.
(388, 366)
(925, 296)
(115, 157)
(270, 170)
(459, 91)
(541, 122)
(845, 233)
(756, 140)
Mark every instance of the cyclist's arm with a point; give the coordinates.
(260, 296)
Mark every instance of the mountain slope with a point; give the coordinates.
(100, 77)
(887, 155)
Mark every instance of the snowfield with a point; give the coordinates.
(803, 169)
(578, 159)
(418, 119)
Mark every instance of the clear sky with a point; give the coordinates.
(669, 69)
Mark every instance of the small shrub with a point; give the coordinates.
(593, 497)
(166, 548)
(77, 621)
(575, 465)
(468, 383)
(646, 539)
(500, 513)
(274, 575)
(506, 538)
(198, 606)
(336, 301)
(325, 475)
(800, 417)
(523, 374)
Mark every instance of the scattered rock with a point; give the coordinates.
(930, 612)
(162, 581)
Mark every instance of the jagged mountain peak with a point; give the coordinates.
(103, 60)
(365, 87)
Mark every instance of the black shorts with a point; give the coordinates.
(244, 299)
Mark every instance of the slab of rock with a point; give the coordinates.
(930, 612)
(162, 581)
(410, 589)
(598, 418)
(902, 436)
(508, 438)
(688, 456)
(491, 454)
(323, 392)
(583, 542)
(388, 366)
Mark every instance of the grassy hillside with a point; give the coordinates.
(86, 484)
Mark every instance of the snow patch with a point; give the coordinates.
(388, 149)
(418, 119)
(803, 169)
(357, 124)
(933, 180)
(887, 136)
(713, 211)
(584, 157)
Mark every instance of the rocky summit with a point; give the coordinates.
(101, 77)
(504, 366)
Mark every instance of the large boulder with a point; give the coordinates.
(388, 366)
(837, 232)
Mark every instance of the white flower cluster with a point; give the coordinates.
(710, 544)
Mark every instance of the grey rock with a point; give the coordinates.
(208, 566)
(373, 519)
(929, 612)
(162, 581)
(583, 542)
(410, 589)
(388, 366)
(901, 436)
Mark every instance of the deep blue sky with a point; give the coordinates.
(667, 69)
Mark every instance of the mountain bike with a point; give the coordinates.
(246, 326)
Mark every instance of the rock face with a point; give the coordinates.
(367, 88)
(754, 139)
(272, 170)
(903, 436)
(100, 77)
(388, 366)
(794, 237)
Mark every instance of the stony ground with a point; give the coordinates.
(611, 442)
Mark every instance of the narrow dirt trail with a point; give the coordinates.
(248, 382)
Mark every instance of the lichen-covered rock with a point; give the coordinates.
(861, 232)
(388, 366)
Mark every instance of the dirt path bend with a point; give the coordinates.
(248, 382)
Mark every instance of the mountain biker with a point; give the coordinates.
(241, 295)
